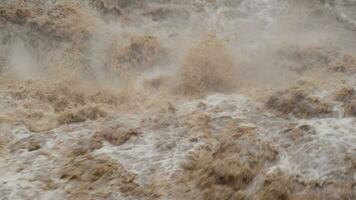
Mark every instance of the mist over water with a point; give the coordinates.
(168, 99)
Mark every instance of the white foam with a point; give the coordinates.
(323, 155)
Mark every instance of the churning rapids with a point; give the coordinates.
(178, 99)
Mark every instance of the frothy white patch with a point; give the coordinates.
(325, 154)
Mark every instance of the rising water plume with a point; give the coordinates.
(203, 99)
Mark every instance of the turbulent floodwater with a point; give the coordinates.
(168, 99)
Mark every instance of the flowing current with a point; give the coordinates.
(178, 99)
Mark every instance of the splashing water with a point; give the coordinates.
(205, 99)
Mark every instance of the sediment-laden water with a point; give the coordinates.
(203, 99)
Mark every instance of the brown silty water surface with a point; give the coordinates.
(202, 99)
